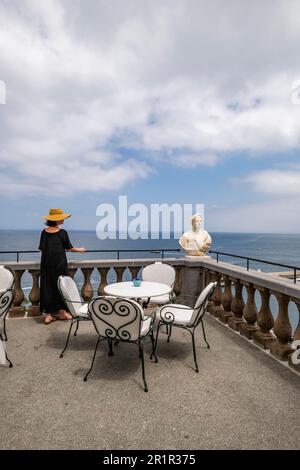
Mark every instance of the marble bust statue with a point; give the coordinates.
(196, 242)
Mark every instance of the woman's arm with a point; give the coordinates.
(77, 250)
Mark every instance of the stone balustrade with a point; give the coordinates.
(241, 300)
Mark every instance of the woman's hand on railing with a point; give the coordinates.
(78, 250)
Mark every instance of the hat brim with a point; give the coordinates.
(56, 217)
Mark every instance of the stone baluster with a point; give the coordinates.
(226, 300)
(281, 348)
(103, 280)
(249, 327)
(18, 310)
(119, 271)
(237, 306)
(72, 272)
(263, 337)
(134, 271)
(211, 277)
(217, 297)
(34, 296)
(87, 288)
(296, 337)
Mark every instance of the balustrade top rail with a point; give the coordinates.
(161, 251)
(248, 259)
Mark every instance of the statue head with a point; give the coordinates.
(196, 221)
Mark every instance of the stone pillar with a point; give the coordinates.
(72, 272)
(282, 330)
(134, 271)
(119, 271)
(226, 300)
(217, 308)
(263, 337)
(211, 303)
(34, 296)
(209, 278)
(18, 310)
(296, 337)
(249, 327)
(191, 284)
(103, 275)
(87, 288)
(237, 306)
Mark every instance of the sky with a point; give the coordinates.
(164, 101)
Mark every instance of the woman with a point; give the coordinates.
(54, 243)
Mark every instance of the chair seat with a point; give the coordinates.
(182, 314)
(82, 312)
(145, 326)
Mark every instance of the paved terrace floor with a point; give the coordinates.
(241, 399)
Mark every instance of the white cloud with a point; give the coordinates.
(196, 79)
(192, 161)
(274, 216)
(275, 182)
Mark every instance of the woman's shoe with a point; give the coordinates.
(49, 319)
(63, 315)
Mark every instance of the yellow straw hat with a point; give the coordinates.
(56, 215)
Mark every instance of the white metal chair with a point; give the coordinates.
(74, 303)
(117, 319)
(7, 278)
(182, 316)
(160, 272)
(6, 298)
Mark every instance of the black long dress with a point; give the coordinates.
(53, 264)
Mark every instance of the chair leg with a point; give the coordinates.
(77, 326)
(141, 349)
(194, 351)
(7, 358)
(204, 336)
(153, 347)
(93, 360)
(68, 337)
(110, 344)
(170, 332)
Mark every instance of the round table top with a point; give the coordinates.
(128, 290)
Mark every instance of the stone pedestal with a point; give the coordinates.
(280, 350)
(191, 282)
(263, 340)
(248, 330)
(34, 311)
(216, 311)
(18, 311)
(234, 323)
(225, 315)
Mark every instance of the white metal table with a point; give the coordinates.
(146, 290)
